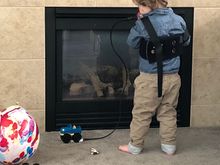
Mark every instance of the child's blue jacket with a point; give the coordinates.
(166, 23)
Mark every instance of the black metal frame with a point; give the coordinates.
(54, 105)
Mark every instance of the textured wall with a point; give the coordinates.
(22, 59)
(206, 64)
(22, 55)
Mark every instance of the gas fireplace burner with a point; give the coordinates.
(84, 77)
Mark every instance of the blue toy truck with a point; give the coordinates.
(71, 133)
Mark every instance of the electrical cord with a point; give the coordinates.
(126, 76)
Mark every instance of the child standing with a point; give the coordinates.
(146, 101)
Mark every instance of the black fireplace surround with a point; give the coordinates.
(85, 77)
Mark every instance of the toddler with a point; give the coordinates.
(146, 101)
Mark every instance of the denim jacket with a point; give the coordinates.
(166, 23)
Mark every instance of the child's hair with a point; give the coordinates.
(151, 3)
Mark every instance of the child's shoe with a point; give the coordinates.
(168, 149)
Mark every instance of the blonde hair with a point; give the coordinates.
(151, 3)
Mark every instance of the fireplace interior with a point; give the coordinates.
(86, 81)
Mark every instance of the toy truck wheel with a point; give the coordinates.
(76, 137)
(66, 138)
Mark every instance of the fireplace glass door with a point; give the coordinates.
(90, 68)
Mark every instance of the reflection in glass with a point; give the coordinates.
(90, 68)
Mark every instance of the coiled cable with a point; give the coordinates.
(126, 76)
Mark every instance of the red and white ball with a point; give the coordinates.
(19, 135)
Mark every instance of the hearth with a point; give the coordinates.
(85, 77)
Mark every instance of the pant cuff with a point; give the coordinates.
(134, 150)
(169, 149)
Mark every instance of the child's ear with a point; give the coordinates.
(144, 9)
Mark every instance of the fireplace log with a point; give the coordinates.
(98, 85)
(126, 82)
(81, 88)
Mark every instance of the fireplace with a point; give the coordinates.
(86, 81)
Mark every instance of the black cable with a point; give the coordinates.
(126, 78)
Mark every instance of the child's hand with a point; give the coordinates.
(139, 15)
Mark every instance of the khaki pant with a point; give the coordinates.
(147, 103)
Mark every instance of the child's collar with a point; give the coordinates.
(164, 10)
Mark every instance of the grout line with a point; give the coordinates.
(208, 58)
(21, 6)
(22, 59)
(204, 105)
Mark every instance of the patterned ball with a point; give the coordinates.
(19, 135)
